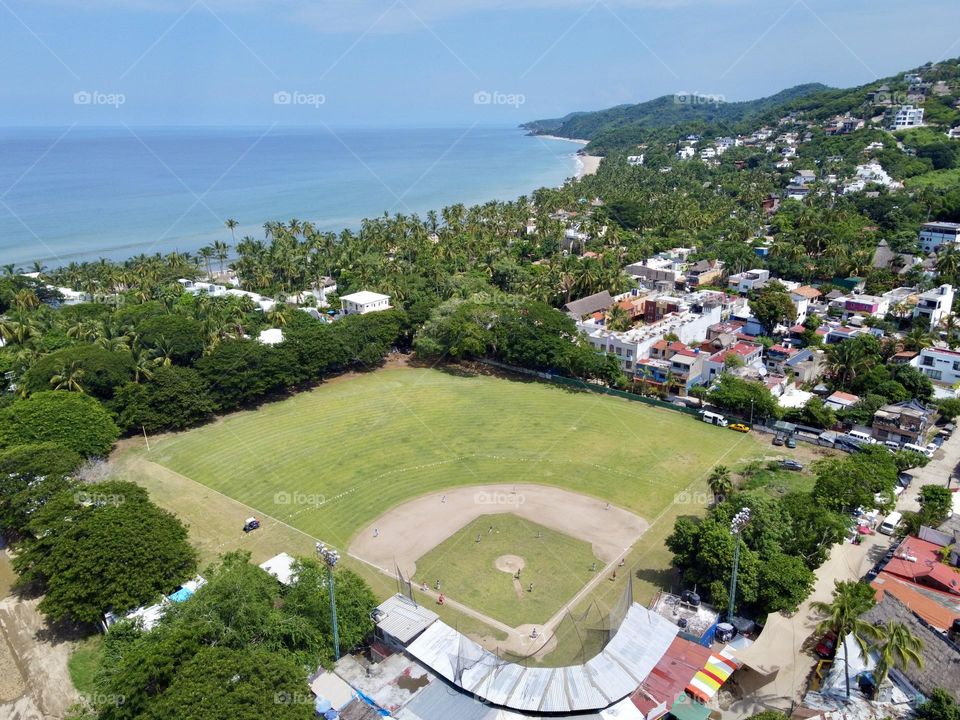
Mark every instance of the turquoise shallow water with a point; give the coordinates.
(84, 193)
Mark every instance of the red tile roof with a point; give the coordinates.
(919, 561)
(937, 608)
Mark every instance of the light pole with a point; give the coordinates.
(751, 412)
(330, 558)
(740, 521)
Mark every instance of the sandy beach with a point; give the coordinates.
(565, 139)
(587, 164)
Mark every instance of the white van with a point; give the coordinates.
(925, 451)
(890, 523)
(860, 437)
(714, 418)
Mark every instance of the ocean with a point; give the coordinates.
(85, 193)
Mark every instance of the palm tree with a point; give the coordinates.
(231, 225)
(720, 483)
(26, 299)
(221, 251)
(948, 262)
(618, 318)
(898, 649)
(917, 339)
(845, 360)
(206, 254)
(68, 377)
(851, 599)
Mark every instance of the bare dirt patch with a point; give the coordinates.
(509, 564)
(399, 537)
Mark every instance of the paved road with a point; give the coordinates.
(782, 642)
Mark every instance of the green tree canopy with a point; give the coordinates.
(173, 398)
(771, 306)
(177, 337)
(103, 371)
(75, 421)
(103, 547)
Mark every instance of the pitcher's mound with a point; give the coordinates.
(509, 563)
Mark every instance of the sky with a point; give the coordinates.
(435, 62)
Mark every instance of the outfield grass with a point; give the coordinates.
(557, 565)
(330, 461)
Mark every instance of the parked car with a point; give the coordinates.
(791, 465)
(791, 441)
(740, 427)
(827, 645)
(778, 439)
(251, 524)
(904, 479)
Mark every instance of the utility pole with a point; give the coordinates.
(330, 558)
(740, 521)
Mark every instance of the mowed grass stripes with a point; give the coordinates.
(331, 460)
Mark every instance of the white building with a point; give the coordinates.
(363, 302)
(686, 152)
(73, 297)
(270, 336)
(935, 234)
(748, 281)
(908, 116)
(940, 364)
(635, 159)
(632, 346)
(871, 173)
(934, 305)
(264, 303)
(196, 287)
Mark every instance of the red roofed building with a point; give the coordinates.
(919, 561)
(939, 609)
(716, 363)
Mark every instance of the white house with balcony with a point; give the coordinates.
(908, 116)
(363, 302)
(934, 305)
(748, 281)
(940, 364)
(935, 234)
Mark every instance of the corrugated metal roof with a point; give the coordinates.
(641, 641)
(402, 619)
(580, 688)
(529, 691)
(610, 678)
(555, 696)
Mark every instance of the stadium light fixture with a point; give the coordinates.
(330, 558)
